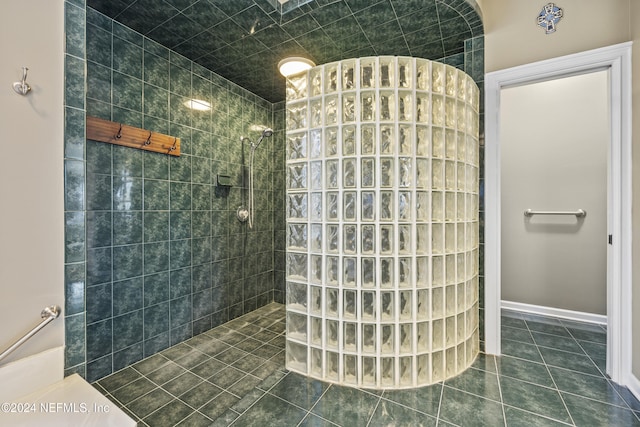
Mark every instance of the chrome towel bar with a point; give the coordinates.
(580, 213)
(48, 314)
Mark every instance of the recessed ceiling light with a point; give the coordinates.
(198, 104)
(294, 65)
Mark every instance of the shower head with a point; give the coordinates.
(266, 133)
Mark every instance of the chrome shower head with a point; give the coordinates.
(266, 133)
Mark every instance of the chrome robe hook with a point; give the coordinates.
(22, 87)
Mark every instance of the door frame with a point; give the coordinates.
(616, 59)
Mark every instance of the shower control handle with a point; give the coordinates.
(242, 214)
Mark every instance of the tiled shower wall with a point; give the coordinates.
(163, 256)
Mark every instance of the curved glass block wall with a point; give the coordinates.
(382, 222)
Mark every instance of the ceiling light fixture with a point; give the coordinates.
(294, 65)
(198, 104)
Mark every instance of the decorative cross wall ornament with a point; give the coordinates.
(549, 17)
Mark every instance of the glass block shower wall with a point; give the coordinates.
(382, 222)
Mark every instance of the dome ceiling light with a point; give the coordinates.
(294, 65)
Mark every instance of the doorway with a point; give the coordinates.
(616, 60)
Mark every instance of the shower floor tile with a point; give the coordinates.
(234, 375)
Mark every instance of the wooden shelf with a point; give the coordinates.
(129, 136)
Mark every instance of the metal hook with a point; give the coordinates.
(119, 134)
(173, 147)
(22, 87)
(148, 141)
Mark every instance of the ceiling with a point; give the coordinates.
(243, 40)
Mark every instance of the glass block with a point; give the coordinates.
(332, 206)
(331, 78)
(332, 370)
(461, 117)
(450, 269)
(437, 206)
(387, 139)
(406, 305)
(367, 210)
(423, 139)
(406, 337)
(317, 366)
(315, 82)
(332, 237)
(437, 367)
(316, 269)
(350, 269)
(350, 238)
(471, 151)
(368, 309)
(386, 239)
(406, 172)
(367, 172)
(331, 142)
(405, 140)
(404, 272)
(387, 304)
(460, 358)
(369, 376)
(437, 174)
(450, 175)
(296, 296)
(437, 278)
(315, 301)
(350, 336)
(422, 239)
(450, 301)
(406, 371)
(331, 334)
(422, 272)
(449, 206)
(348, 140)
(405, 72)
(368, 272)
(461, 149)
(297, 176)
(423, 369)
(387, 106)
(471, 291)
(451, 362)
(437, 239)
(332, 271)
(422, 206)
(423, 173)
(422, 108)
(404, 239)
(387, 72)
(462, 86)
(349, 205)
(296, 357)
(386, 273)
(450, 84)
(387, 377)
(387, 336)
(350, 369)
(460, 176)
(315, 143)
(423, 338)
(316, 206)
(331, 109)
(460, 328)
(386, 172)
(460, 237)
(451, 142)
(296, 87)
(404, 206)
(349, 304)
(348, 108)
(297, 236)
(348, 75)
(368, 239)
(437, 77)
(316, 330)
(367, 73)
(296, 116)
(437, 335)
(316, 112)
(437, 142)
(405, 106)
(297, 266)
(368, 338)
(296, 326)
(367, 139)
(367, 106)
(450, 112)
(422, 75)
(316, 175)
(296, 146)
(331, 302)
(349, 173)
(437, 111)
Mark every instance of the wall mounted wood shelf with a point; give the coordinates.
(129, 136)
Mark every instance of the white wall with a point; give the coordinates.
(31, 173)
(554, 137)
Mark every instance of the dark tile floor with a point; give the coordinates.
(551, 374)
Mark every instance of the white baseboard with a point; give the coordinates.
(555, 312)
(634, 386)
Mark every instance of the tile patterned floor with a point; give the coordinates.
(551, 374)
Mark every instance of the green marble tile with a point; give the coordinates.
(478, 382)
(346, 406)
(571, 361)
(533, 398)
(524, 370)
(586, 412)
(588, 386)
(461, 408)
(299, 390)
(517, 418)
